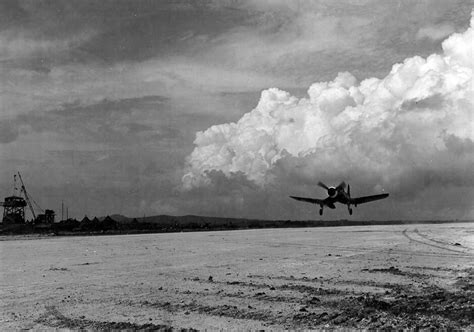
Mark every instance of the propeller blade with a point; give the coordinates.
(322, 185)
(341, 185)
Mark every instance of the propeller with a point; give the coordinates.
(322, 185)
(332, 191)
(341, 185)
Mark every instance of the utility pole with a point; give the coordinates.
(62, 210)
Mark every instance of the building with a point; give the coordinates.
(45, 218)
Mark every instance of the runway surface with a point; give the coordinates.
(370, 276)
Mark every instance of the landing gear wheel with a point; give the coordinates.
(320, 212)
(350, 212)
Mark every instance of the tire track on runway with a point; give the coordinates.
(411, 238)
(439, 241)
(368, 250)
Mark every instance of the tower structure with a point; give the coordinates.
(13, 210)
(14, 207)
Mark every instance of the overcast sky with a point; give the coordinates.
(224, 108)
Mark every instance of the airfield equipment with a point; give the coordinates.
(27, 198)
(14, 206)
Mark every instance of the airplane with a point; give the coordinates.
(338, 195)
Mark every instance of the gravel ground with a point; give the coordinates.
(366, 277)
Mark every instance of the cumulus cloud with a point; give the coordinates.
(415, 120)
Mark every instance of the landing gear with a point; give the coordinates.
(321, 212)
(350, 210)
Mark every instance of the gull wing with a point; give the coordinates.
(309, 200)
(366, 199)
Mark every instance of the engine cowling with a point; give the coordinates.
(332, 192)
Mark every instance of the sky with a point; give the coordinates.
(225, 108)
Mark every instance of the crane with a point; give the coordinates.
(27, 197)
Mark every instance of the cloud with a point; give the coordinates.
(435, 32)
(19, 44)
(413, 127)
(183, 78)
(289, 40)
(8, 132)
(75, 78)
(61, 52)
(111, 122)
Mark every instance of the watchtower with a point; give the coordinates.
(14, 210)
(14, 207)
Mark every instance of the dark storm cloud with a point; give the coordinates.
(51, 32)
(59, 32)
(42, 34)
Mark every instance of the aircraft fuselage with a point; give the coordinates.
(340, 197)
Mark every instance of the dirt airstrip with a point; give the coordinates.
(366, 277)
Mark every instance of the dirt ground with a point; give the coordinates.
(366, 277)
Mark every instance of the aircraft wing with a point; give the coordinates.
(366, 199)
(309, 200)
